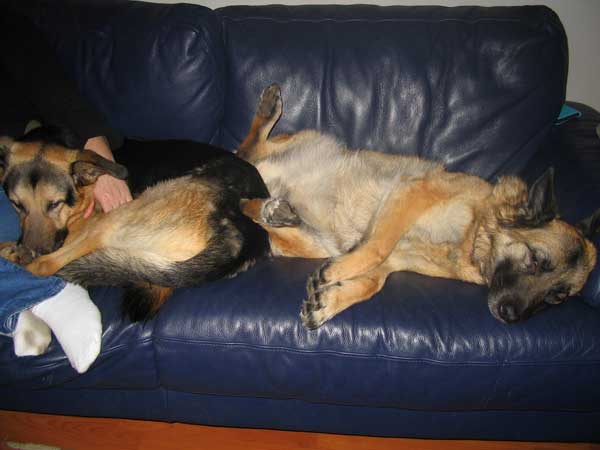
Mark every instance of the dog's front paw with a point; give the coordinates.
(16, 253)
(270, 104)
(319, 307)
(317, 280)
(8, 250)
(42, 267)
(311, 312)
(277, 212)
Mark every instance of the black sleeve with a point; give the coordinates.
(30, 68)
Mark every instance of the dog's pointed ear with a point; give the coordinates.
(5, 145)
(541, 201)
(89, 166)
(590, 225)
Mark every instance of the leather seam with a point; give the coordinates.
(376, 356)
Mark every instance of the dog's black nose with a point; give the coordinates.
(508, 312)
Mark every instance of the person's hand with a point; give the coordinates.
(109, 192)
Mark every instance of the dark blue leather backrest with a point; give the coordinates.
(155, 70)
(476, 88)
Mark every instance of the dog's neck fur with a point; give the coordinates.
(508, 200)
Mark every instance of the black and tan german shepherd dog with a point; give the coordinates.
(184, 226)
(373, 213)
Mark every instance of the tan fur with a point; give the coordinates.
(169, 223)
(376, 213)
(42, 223)
(294, 242)
(157, 227)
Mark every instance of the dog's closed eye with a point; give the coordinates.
(19, 207)
(54, 205)
(541, 262)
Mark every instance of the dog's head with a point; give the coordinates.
(532, 259)
(45, 180)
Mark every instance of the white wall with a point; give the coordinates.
(581, 19)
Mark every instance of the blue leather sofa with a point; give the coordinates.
(477, 88)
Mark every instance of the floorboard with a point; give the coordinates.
(77, 433)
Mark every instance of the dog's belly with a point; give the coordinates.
(330, 189)
(336, 191)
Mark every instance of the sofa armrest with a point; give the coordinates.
(573, 149)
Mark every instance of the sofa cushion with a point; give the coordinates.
(126, 361)
(155, 71)
(476, 88)
(427, 344)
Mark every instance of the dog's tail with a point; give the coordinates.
(142, 301)
(146, 287)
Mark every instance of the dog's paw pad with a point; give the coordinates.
(313, 283)
(311, 321)
(270, 102)
(279, 213)
(319, 305)
(311, 312)
(317, 280)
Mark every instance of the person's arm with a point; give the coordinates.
(110, 192)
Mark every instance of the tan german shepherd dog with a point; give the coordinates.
(373, 213)
(176, 233)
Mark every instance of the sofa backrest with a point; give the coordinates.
(155, 70)
(476, 88)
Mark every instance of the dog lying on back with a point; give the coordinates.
(373, 213)
(178, 232)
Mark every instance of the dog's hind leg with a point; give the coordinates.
(268, 111)
(294, 242)
(322, 304)
(398, 213)
(256, 144)
(275, 212)
(286, 234)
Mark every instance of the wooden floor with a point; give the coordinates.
(73, 433)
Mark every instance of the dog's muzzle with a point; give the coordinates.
(505, 299)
